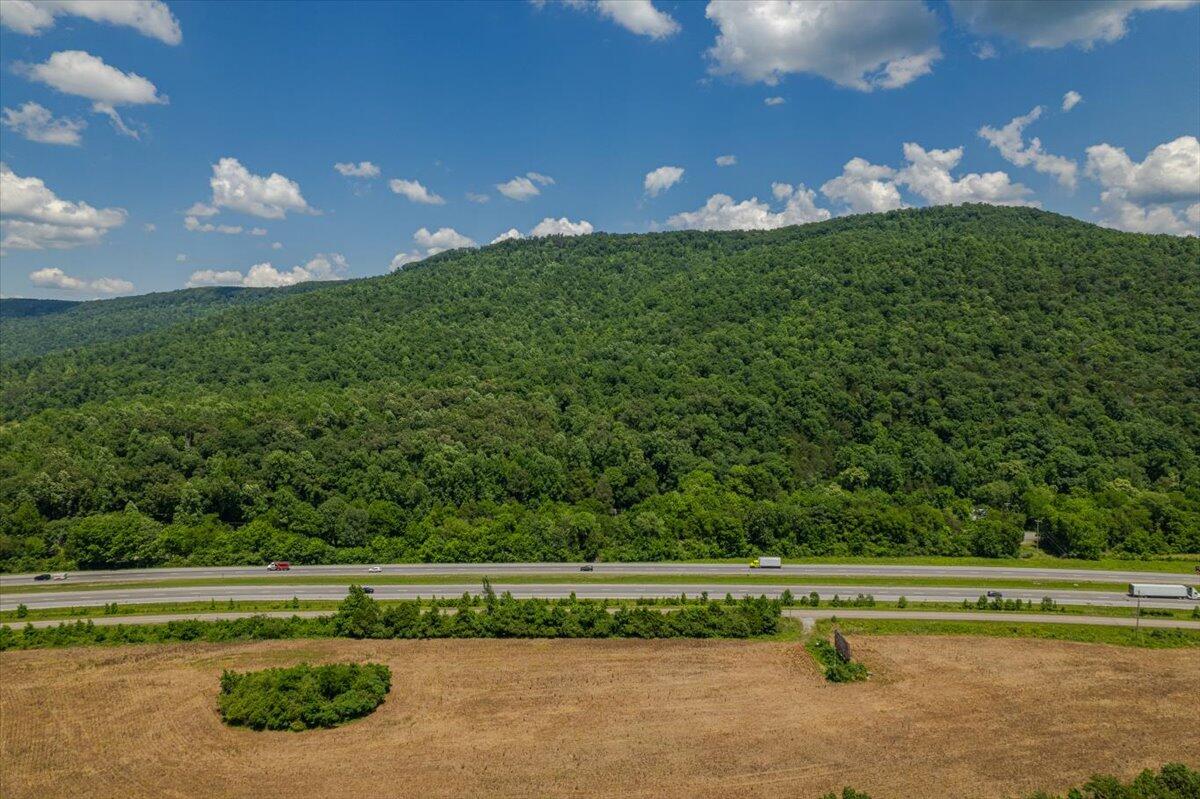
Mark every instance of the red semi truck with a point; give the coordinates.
(278, 566)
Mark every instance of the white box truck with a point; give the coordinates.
(1155, 591)
(767, 563)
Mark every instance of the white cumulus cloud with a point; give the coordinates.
(928, 176)
(720, 212)
(55, 278)
(864, 187)
(415, 192)
(1160, 194)
(774, 101)
(270, 197)
(431, 243)
(1071, 99)
(640, 17)
(35, 123)
(477, 198)
(149, 17)
(661, 179)
(636, 16)
(726, 160)
(1009, 140)
(561, 227)
(1049, 24)
(523, 187)
(861, 45)
(363, 169)
(32, 217)
(82, 74)
(265, 275)
(511, 233)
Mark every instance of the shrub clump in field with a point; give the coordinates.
(836, 669)
(302, 697)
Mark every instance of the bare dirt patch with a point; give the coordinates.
(944, 717)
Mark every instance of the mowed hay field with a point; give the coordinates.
(943, 717)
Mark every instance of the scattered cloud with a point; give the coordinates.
(1009, 140)
(271, 197)
(864, 187)
(201, 209)
(774, 101)
(32, 217)
(477, 198)
(722, 213)
(524, 187)
(415, 192)
(149, 17)
(55, 278)
(726, 160)
(181, 258)
(446, 238)
(511, 233)
(264, 275)
(1170, 172)
(1071, 99)
(928, 176)
(363, 169)
(196, 226)
(985, 51)
(561, 227)
(640, 17)
(1047, 25)
(636, 16)
(1161, 194)
(35, 123)
(276, 245)
(661, 179)
(441, 240)
(862, 46)
(149, 227)
(84, 75)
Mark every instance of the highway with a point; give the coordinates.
(696, 569)
(68, 598)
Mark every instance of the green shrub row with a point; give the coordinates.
(302, 697)
(360, 616)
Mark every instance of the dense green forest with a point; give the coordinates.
(34, 327)
(922, 381)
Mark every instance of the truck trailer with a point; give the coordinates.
(767, 563)
(1155, 591)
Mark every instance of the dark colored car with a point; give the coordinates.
(587, 567)
(368, 589)
(995, 594)
(42, 577)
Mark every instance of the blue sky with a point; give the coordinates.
(461, 98)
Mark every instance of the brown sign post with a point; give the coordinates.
(841, 645)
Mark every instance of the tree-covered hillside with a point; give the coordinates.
(922, 381)
(34, 327)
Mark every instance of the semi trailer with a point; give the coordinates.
(1155, 591)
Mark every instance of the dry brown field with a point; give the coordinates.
(942, 717)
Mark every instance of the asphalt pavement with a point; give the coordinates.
(697, 569)
(282, 591)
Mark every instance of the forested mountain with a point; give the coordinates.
(20, 307)
(33, 327)
(922, 381)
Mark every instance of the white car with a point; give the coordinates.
(375, 569)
